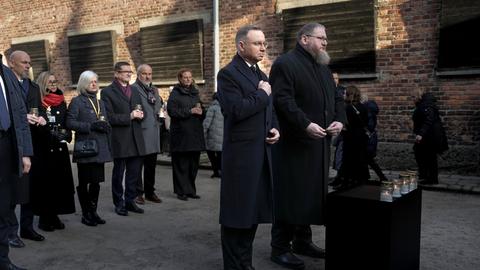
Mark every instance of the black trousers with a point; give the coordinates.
(185, 168)
(237, 247)
(372, 162)
(7, 191)
(284, 234)
(149, 167)
(131, 168)
(426, 158)
(215, 158)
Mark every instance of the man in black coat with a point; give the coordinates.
(309, 113)
(249, 131)
(19, 62)
(127, 140)
(16, 150)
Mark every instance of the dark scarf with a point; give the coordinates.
(127, 90)
(53, 99)
(149, 90)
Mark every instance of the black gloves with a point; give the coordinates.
(101, 126)
(62, 136)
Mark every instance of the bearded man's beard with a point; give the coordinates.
(322, 57)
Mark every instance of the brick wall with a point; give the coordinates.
(406, 42)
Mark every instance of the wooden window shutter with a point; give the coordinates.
(458, 45)
(170, 47)
(39, 54)
(350, 30)
(95, 52)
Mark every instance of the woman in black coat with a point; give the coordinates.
(54, 194)
(87, 118)
(186, 133)
(430, 138)
(354, 168)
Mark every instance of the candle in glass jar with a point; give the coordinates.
(34, 111)
(386, 192)
(396, 189)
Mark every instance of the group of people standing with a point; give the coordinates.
(273, 161)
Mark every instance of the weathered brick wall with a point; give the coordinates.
(406, 41)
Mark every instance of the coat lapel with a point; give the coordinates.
(243, 68)
(120, 93)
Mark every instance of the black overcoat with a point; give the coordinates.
(54, 193)
(186, 129)
(40, 134)
(246, 187)
(22, 139)
(127, 138)
(303, 92)
(79, 118)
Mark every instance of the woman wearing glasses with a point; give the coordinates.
(87, 118)
(53, 194)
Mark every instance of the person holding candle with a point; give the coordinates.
(54, 194)
(127, 139)
(186, 133)
(19, 62)
(87, 118)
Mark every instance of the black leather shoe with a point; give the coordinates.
(132, 207)
(182, 197)
(248, 267)
(288, 260)
(57, 223)
(88, 219)
(16, 242)
(10, 266)
(31, 235)
(194, 196)
(98, 219)
(308, 249)
(121, 211)
(46, 227)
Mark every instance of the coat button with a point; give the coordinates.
(60, 149)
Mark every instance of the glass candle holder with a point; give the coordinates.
(386, 192)
(413, 179)
(138, 107)
(405, 182)
(397, 184)
(34, 111)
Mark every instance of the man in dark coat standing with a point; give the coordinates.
(249, 131)
(19, 62)
(309, 113)
(16, 150)
(127, 139)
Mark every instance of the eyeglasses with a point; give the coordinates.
(53, 82)
(125, 71)
(259, 44)
(320, 38)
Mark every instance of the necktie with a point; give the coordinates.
(4, 115)
(256, 71)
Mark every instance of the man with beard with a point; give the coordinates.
(309, 113)
(145, 94)
(250, 128)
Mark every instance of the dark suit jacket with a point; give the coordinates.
(246, 161)
(18, 116)
(127, 140)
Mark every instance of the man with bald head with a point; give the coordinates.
(145, 94)
(20, 63)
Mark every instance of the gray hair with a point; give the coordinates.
(141, 67)
(308, 29)
(84, 80)
(243, 32)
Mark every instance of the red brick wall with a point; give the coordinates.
(406, 40)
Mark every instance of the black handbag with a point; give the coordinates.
(85, 148)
